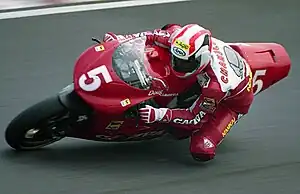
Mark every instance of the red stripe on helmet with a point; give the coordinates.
(194, 38)
(185, 28)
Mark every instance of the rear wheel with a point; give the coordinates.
(42, 124)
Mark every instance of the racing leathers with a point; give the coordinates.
(226, 94)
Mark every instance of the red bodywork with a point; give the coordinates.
(269, 62)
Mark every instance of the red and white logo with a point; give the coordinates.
(208, 143)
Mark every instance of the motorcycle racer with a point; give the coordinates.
(224, 76)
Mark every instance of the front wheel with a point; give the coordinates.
(40, 125)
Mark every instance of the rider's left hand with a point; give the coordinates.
(150, 114)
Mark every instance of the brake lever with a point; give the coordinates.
(137, 118)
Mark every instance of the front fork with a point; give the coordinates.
(78, 111)
(72, 101)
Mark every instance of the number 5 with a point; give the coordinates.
(93, 74)
(258, 82)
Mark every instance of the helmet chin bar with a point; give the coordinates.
(201, 62)
(184, 66)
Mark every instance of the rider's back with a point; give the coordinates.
(230, 78)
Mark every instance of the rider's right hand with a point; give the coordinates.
(150, 114)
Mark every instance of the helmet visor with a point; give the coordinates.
(184, 66)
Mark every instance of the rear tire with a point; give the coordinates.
(40, 125)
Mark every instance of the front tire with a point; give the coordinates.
(40, 125)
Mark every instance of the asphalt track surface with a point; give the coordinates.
(260, 155)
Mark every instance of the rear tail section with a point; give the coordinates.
(269, 62)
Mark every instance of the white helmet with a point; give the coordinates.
(191, 50)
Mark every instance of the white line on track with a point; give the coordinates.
(80, 8)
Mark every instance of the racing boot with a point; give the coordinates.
(202, 148)
(204, 142)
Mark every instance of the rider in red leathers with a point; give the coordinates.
(224, 76)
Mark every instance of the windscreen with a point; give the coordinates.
(129, 61)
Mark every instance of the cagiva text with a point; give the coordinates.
(160, 93)
(138, 136)
(194, 121)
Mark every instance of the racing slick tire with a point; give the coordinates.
(37, 126)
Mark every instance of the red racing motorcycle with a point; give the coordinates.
(112, 80)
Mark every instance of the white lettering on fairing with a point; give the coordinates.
(194, 121)
(160, 93)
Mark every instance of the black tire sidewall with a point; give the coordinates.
(29, 118)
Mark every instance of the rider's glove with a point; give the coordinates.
(150, 114)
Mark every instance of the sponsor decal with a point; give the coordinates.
(222, 63)
(82, 118)
(208, 104)
(134, 137)
(114, 125)
(182, 45)
(179, 51)
(161, 33)
(193, 121)
(228, 127)
(249, 87)
(125, 102)
(99, 48)
(203, 80)
(207, 143)
(149, 134)
(141, 34)
(160, 93)
(235, 61)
